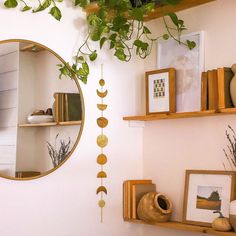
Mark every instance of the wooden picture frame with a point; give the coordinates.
(160, 91)
(205, 192)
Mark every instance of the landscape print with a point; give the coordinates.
(208, 198)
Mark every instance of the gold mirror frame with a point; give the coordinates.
(82, 103)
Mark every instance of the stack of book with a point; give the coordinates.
(133, 190)
(215, 89)
(67, 107)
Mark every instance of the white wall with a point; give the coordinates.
(172, 146)
(65, 202)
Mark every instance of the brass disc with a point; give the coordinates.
(102, 140)
(101, 159)
(102, 107)
(101, 189)
(101, 174)
(101, 203)
(102, 82)
(102, 122)
(102, 94)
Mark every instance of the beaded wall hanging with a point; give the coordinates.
(102, 142)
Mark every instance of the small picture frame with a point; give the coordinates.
(205, 192)
(160, 91)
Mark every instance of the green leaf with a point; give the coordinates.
(102, 41)
(165, 36)
(112, 44)
(137, 13)
(113, 37)
(191, 44)
(140, 44)
(85, 67)
(26, 8)
(96, 32)
(79, 59)
(46, 3)
(64, 71)
(120, 54)
(82, 3)
(10, 3)
(94, 20)
(146, 30)
(74, 67)
(174, 18)
(39, 8)
(149, 7)
(93, 56)
(55, 12)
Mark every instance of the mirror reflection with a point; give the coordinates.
(40, 114)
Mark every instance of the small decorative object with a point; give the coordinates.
(160, 91)
(40, 116)
(221, 223)
(58, 155)
(38, 113)
(205, 192)
(49, 112)
(189, 65)
(154, 207)
(232, 214)
(233, 85)
(37, 119)
(102, 142)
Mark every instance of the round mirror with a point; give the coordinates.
(41, 114)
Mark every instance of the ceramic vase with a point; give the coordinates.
(233, 85)
(232, 214)
(154, 207)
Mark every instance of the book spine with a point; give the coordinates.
(204, 87)
(66, 108)
(221, 90)
(212, 89)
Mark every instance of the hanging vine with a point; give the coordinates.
(118, 23)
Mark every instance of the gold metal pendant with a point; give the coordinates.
(102, 142)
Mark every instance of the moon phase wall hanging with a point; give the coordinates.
(102, 142)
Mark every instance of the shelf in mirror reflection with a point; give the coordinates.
(49, 124)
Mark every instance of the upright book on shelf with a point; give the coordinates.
(224, 76)
(204, 93)
(212, 89)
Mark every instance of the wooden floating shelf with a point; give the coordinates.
(184, 227)
(226, 111)
(49, 124)
(158, 11)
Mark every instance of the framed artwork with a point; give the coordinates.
(205, 192)
(160, 91)
(188, 64)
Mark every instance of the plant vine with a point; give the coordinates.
(117, 23)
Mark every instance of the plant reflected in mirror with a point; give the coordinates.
(58, 152)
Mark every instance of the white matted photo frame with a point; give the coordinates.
(188, 64)
(205, 192)
(160, 91)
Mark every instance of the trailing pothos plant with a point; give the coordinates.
(118, 23)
